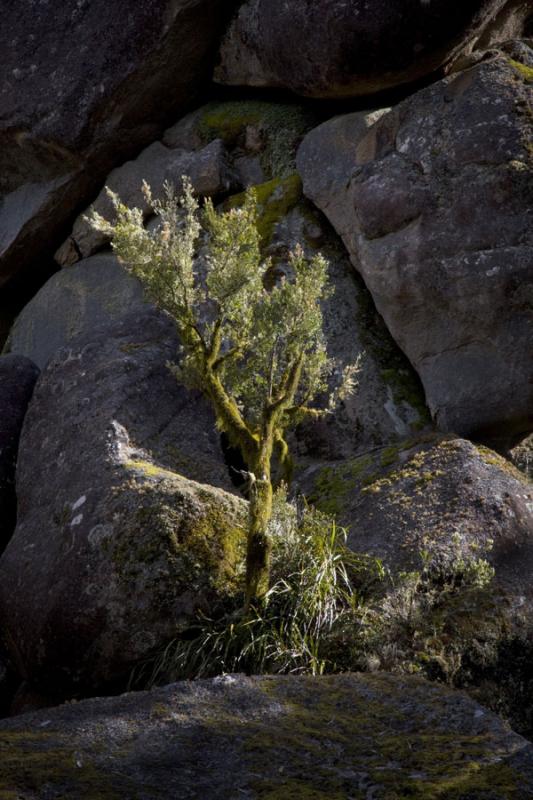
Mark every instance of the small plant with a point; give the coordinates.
(258, 355)
(317, 592)
(332, 610)
(429, 620)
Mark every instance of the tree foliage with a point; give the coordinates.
(258, 354)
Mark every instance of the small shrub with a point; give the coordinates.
(329, 609)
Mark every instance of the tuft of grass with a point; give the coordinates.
(332, 610)
(317, 584)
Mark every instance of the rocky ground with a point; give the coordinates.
(397, 142)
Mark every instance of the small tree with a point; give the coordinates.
(257, 354)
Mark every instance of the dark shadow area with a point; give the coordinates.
(15, 294)
(237, 466)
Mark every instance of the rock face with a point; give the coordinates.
(74, 302)
(17, 380)
(436, 213)
(325, 48)
(114, 548)
(83, 87)
(444, 495)
(377, 736)
(207, 169)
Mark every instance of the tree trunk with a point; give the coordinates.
(259, 544)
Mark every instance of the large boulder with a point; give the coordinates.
(435, 210)
(74, 302)
(87, 84)
(334, 48)
(443, 495)
(119, 539)
(371, 736)
(17, 380)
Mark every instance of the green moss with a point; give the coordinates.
(495, 460)
(149, 469)
(525, 71)
(406, 388)
(416, 470)
(281, 125)
(416, 757)
(334, 483)
(275, 199)
(38, 760)
(178, 536)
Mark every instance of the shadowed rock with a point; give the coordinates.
(435, 210)
(379, 736)
(334, 48)
(86, 83)
(118, 539)
(17, 380)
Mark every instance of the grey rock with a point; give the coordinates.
(71, 109)
(119, 539)
(326, 158)
(436, 214)
(325, 48)
(444, 495)
(17, 380)
(522, 456)
(75, 301)
(207, 169)
(256, 737)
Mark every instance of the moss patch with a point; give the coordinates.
(378, 747)
(493, 459)
(39, 760)
(275, 199)
(525, 71)
(334, 483)
(281, 126)
(176, 536)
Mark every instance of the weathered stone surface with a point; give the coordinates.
(207, 169)
(87, 84)
(117, 542)
(327, 157)
(522, 456)
(75, 301)
(321, 48)
(445, 495)
(436, 213)
(17, 380)
(359, 736)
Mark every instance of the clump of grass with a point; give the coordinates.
(332, 610)
(317, 585)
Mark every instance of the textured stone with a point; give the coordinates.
(75, 301)
(445, 495)
(85, 85)
(117, 542)
(436, 213)
(17, 380)
(207, 169)
(359, 736)
(334, 48)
